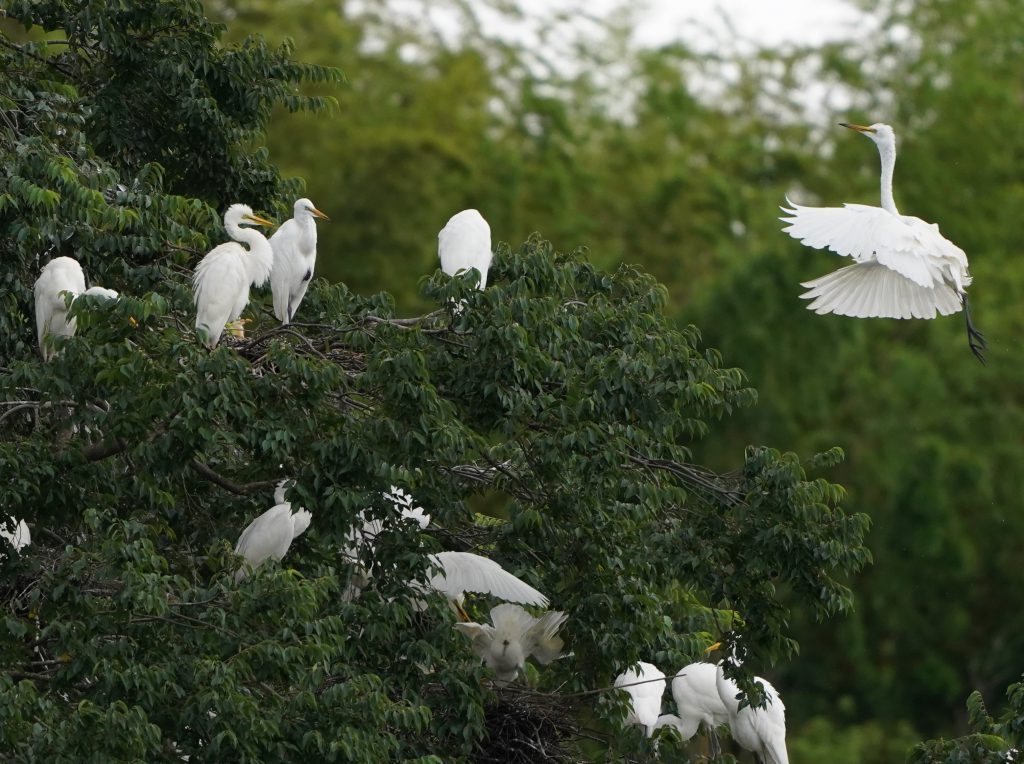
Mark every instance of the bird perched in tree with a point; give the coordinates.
(220, 286)
(695, 691)
(761, 730)
(645, 688)
(59, 276)
(18, 537)
(512, 636)
(464, 243)
(270, 534)
(294, 245)
(456, 572)
(903, 267)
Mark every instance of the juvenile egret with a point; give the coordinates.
(294, 245)
(645, 697)
(695, 691)
(220, 286)
(62, 274)
(270, 534)
(761, 730)
(19, 537)
(513, 636)
(904, 268)
(464, 243)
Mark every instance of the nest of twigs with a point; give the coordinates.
(526, 728)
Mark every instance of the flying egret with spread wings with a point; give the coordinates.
(270, 534)
(903, 267)
(645, 688)
(220, 285)
(60, 275)
(513, 636)
(695, 691)
(464, 243)
(294, 245)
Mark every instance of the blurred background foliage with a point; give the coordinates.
(678, 161)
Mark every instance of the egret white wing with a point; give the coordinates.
(468, 572)
(905, 244)
(62, 274)
(543, 640)
(220, 288)
(871, 290)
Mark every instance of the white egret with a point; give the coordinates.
(904, 268)
(761, 730)
(294, 245)
(645, 689)
(457, 572)
(464, 243)
(19, 537)
(220, 285)
(513, 636)
(270, 534)
(695, 691)
(62, 274)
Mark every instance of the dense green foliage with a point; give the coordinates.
(563, 400)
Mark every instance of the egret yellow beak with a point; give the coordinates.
(257, 220)
(461, 612)
(317, 213)
(858, 128)
(712, 648)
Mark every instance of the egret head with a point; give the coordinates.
(881, 133)
(304, 207)
(238, 214)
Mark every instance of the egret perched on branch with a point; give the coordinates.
(513, 636)
(695, 691)
(761, 730)
(220, 285)
(270, 534)
(18, 538)
(464, 243)
(457, 572)
(904, 268)
(645, 689)
(60, 275)
(294, 245)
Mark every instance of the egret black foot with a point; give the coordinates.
(975, 339)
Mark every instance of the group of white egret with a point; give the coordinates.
(903, 268)
(504, 645)
(705, 697)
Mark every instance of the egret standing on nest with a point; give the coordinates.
(464, 243)
(294, 245)
(904, 268)
(220, 285)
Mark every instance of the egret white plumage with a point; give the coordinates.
(270, 534)
(695, 691)
(464, 243)
(645, 688)
(761, 730)
(513, 636)
(60, 275)
(294, 245)
(903, 267)
(457, 572)
(18, 536)
(220, 286)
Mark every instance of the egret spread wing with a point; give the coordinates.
(543, 639)
(468, 572)
(871, 290)
(905, 244)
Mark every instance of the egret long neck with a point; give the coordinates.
(260, 259)
(307, 233)
(887, 153)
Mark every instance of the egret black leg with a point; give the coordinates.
(716, 747)
(975, 339)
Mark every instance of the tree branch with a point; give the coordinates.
(242, 489)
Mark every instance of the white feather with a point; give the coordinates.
(270, 535)
(62, 274)
(464, 243)
(294, 245)
(645, 688)
(761, 730)
(467, 572)
(513, 636)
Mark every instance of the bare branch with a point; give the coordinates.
(242, 489)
